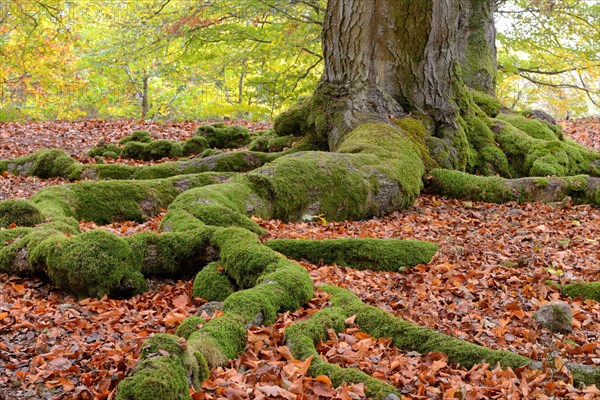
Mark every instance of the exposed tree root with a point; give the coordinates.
(580, 189)
(373, 254)
(409, 336)
(301, 338)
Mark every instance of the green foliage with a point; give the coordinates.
(175, 61)
(548, 56)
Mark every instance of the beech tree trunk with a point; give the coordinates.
(385, 59)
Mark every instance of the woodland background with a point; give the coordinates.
(175, 60)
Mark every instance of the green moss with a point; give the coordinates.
(137, 136)
(179, 254)
(302, 337)
(46, 163)
(418, 134)
(285, 289)
(94, 263)
(107, 201)
(466, 186)
(586, 290)
(189, 326)
(533, 127)
(110, 171)
(158, 149)
(244, 258)
(585, 375)
(224, 204)
(195, 145)
(3, 165)
(535, 157)
(19, 212)
(409, 336)
(375, 254)
(135, 150)
(225, 334)
(292, 120)
(156, 378)
(212, 284)
(224, 137)
(488, 104)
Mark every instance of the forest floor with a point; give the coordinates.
(483, 286)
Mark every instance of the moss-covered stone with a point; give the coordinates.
(94, 263)
(107, 201)
(158, 149)
(180, 254)
(19, 213)
(212, 284)
(225, 204)
(461, 185)
(374, 254)
(243, 257)
(220, 339)
(586, 290)
(189, 326)
(224, 137)
(104, 149)
(155, 378)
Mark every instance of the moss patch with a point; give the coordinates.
(189, 326)
(212, 284)
(155, 378)
(19, 212)
(94, 263)
(586, 290)
(224, 137)
(375, 254)
(461, 185)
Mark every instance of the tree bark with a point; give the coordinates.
(477, 45)
(385, 58)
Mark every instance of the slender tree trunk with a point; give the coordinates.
(145, 105)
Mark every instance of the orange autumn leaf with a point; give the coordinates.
(324, 378)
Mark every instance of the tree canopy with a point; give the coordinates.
(177, 60)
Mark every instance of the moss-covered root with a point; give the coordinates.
(374, 254)
(581, 189)
(586, 290)
(301, 338)
(280, 285)
(409, 336)
(46, 163)
(167, 367)
(19, 213)
(95, 263)
(108, 201)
